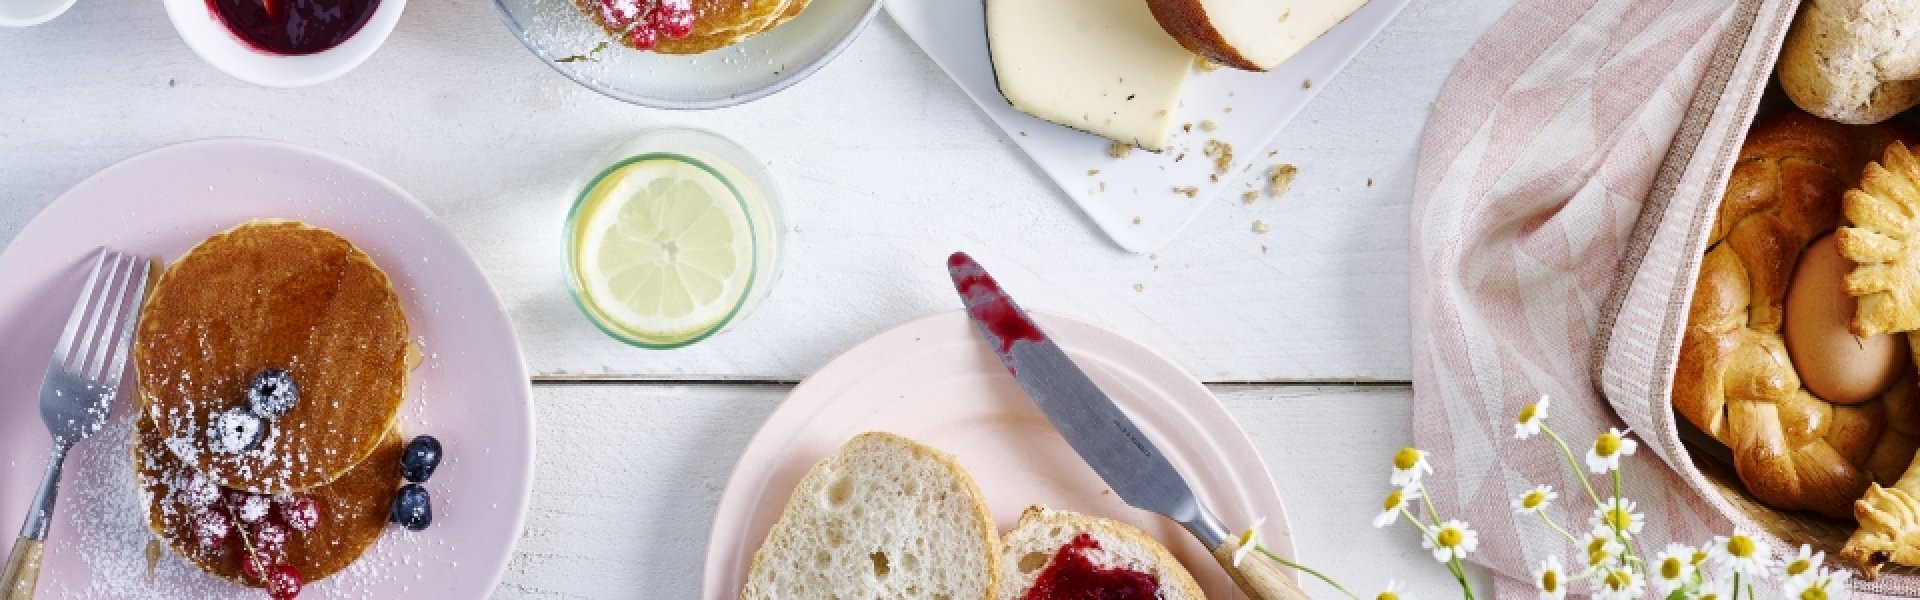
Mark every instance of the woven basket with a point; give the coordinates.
(1639, 341)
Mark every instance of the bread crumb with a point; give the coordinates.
(1227, 109)
(1186, 127)
(1208, 125)
(1213, 177)
(1260, 226)
(1023, 134)
(1369, 182)
(1279, 178)
(1203, 65)
(1189, 191)
(1092, 172)
(1119, 150)
(1181, 157)
(1136, 220)
(1221, 153)
(1306, 84)
(1249, 197)
(1139, 287)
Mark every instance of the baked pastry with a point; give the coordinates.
(1885, 241)
(273, 295)
(1735, 379)
(706, 25)
(1070, 555)
(352, 511)
(1853, 61)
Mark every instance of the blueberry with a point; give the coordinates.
(235, 431)
(272, 393)
(412, 507)
(420, 458)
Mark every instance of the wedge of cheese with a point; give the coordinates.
(1256, 35)
(1100, 66)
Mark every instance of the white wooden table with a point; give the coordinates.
(885, 168)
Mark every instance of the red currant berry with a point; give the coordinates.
(301, 513)
(283, 583)
(618, 14)
(254, 508)
(254, 567)
(211, 529)
(198, 491)
(269, 540)
(643, 37)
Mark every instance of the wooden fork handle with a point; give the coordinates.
(23, 570)
(1260, 578)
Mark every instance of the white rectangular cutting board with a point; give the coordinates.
(1133, 198)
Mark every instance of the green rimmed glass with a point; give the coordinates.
(743, 180)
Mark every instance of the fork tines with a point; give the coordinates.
(95, 343)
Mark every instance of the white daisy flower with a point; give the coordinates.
(1618, 514)
(1823, 584)
(1671, 569)
(1601, 547)
(1741, 553)
(1409, 465)
(1451, 540)
(1618, 583)
(1249, 540)
(1607, 450)
(1397, 501)
(1531, 415)
(1532, 501)
(1551, 579)
(1393, 591)
(1714, 589)
(1804, 564)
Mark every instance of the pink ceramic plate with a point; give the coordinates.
(932, 380)
(471, 391)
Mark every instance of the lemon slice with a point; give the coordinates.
(664, 252)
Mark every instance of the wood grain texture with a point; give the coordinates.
(21, 576)
(628, 475)
(885, 166)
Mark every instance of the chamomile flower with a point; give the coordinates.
(1533, 501)
(1741, 554)
(1607, 450)
(1714, 589)
(1451, 540)
(1804, 564)
(1528, 425)
(1601, 547)
(1396, 502)
(1249, 540)
(1618, 514)
(1393, 591)
(1822, 584)
(1551, 579)
(1671, 569)
(1618, 583)
(1409, 465)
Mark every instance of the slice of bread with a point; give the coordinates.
(1035, 543)
(886, 517)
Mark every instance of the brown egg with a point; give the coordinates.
(1833, 364)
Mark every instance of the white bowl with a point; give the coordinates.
(210, 38)
(27, 13)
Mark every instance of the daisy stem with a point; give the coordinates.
(1460, 574)
(1557, 527)
(1416, 522)
(1428, 500)
(1303, 569)
(1736, 586)
(1572, 462)
(1625, 542)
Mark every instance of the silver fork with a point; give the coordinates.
(76, 395)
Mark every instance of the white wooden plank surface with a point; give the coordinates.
(628, 475)
(886, 168)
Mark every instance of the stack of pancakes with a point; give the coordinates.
(717, 23)
(273, 294)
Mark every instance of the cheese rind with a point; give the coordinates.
(1255, 35)
(1100, 66)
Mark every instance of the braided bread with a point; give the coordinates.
(1735, 380)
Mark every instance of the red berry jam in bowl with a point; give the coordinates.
(294, 26)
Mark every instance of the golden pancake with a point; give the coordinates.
(273, 294)
(353, 511)
(717, 23)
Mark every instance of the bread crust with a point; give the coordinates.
(1735, 380)
(1853, 61)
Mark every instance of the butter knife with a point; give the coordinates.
(1103, 436)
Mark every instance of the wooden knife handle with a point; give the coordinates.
(1260, 578)
(23, 570)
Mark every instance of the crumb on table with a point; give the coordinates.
(1279, 178)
